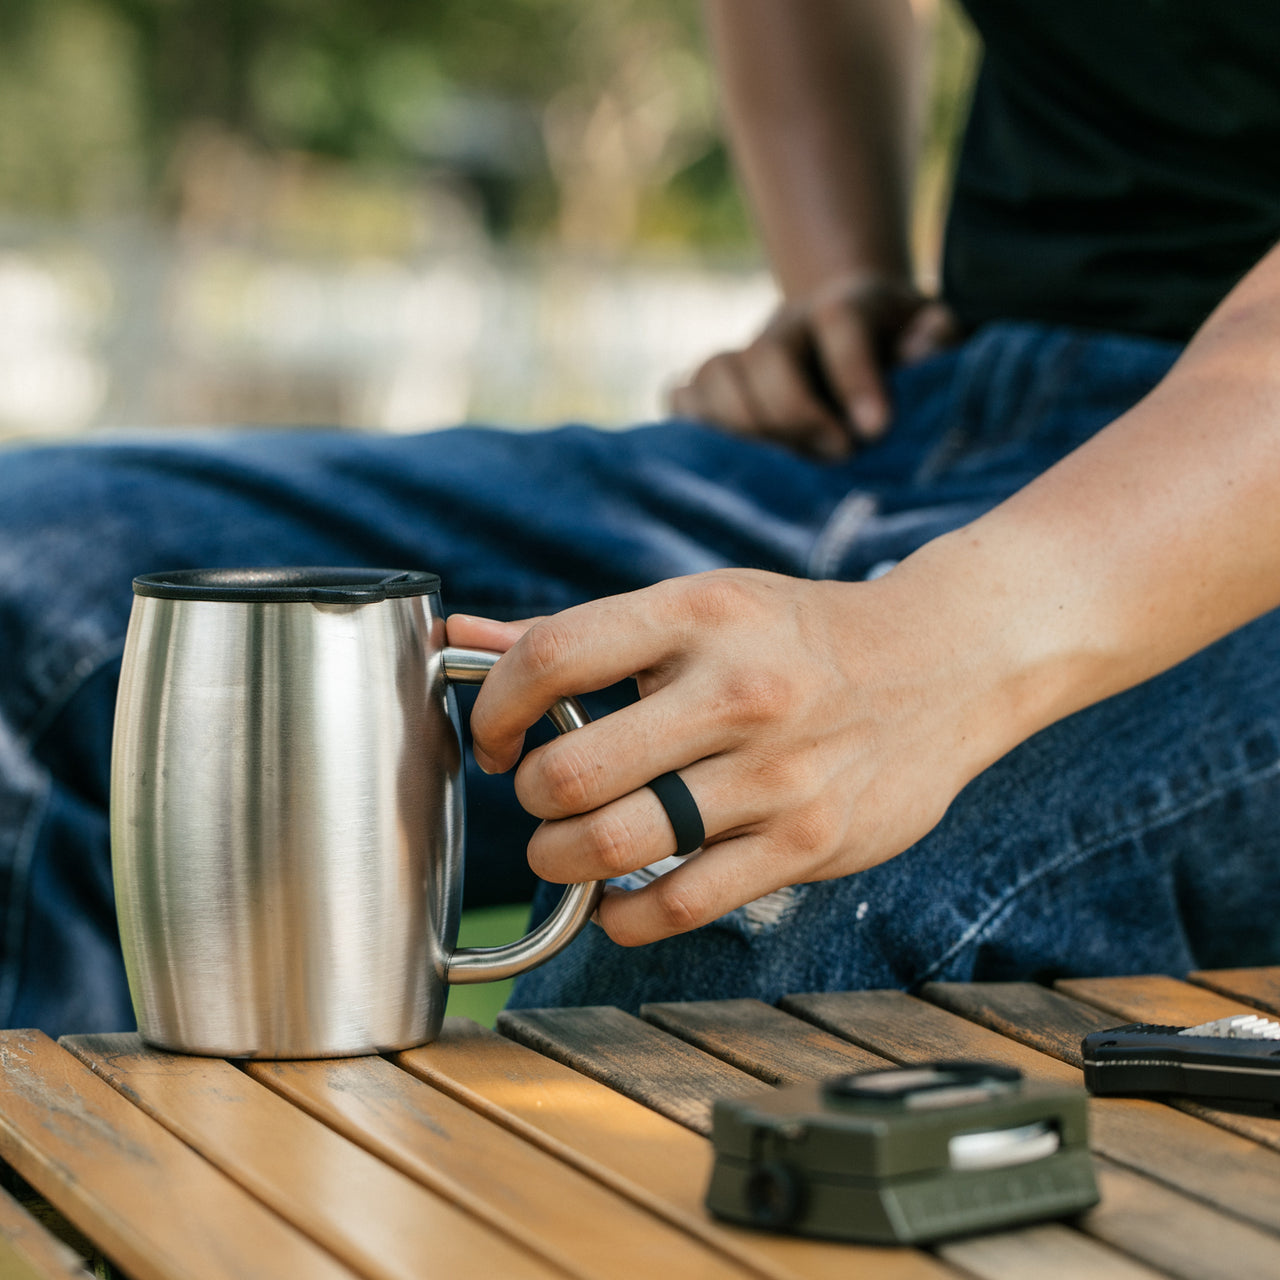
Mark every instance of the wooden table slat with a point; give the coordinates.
(574, 1148)
(147, 1200)
(609, 1045)
(379, 1222)
(1257, 987)
(641, 1154)
(760, 1040)
(1239, 1176)
(1039, 1017)
(1049, 1251)
(570, 1218)
(1152, 997)
(29, 1250)
(1176, 1232)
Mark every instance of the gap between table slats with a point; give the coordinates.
(1260, 987)
(375, 1219)
(1234, 1174)
(482, 1166)
(1156, 1223)
(1081, 1005)
(150, 1203)
(29, 1250)
(632, 1149)
(652, 1066)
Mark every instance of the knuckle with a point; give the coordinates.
(769, 351)
(838, 310)
(775, 773)
(697, 384)
(754, 697)
(711, 375)
(718, 386)
(609, 844)
(545, 648)
(725, 376)
(544, 853)
(718, 599)
(562, 782)
(779, 383)
(679, 907)
(721, 365)
(811, 834)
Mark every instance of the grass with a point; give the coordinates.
(486, 927)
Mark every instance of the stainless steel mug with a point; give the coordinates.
(287, 813)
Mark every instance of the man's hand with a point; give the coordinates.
(814, 378)
(821, 727)
(824, 727)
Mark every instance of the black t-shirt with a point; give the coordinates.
(1121, 164)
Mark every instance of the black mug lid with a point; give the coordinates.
(287, 585)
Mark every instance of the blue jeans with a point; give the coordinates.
(1142, 834)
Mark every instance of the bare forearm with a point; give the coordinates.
(1156, 538)
(819, 100)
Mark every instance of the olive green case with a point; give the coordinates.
(907, 1155)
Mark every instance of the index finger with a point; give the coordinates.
(580, 650)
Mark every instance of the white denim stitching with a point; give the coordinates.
(1071, 857)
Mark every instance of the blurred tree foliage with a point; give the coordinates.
(591, 122)
(99, 97)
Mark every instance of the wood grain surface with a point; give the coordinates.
(607, 1044)
(654, 1160)
(1047, 1252)
(1138, 1211)
(1152, 998)
(29, 1250)
(379, 1222)
(149, 1202)
(758, 1034)
(1176, 1232)
(568, 1217)
(1260, 987)
(1055, 1023)
(573, 1145)
(1036, 1016)
(761, 1040)
(1236, 1176)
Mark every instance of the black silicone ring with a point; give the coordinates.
(682, 809)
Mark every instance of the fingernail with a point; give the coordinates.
(486, 762)
(868, 415)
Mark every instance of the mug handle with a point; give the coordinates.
(491, 964)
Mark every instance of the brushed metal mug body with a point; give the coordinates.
(287, 814)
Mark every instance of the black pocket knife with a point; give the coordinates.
(1230, 1061)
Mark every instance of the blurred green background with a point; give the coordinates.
(486, 927)
(379, 215)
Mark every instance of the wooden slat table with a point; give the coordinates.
(574, 1144)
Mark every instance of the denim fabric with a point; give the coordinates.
(1136, 835)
